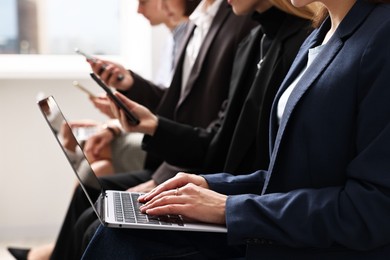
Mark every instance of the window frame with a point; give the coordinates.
(133, 38)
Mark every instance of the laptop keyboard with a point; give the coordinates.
(127, 211)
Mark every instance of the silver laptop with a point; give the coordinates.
(113, 208)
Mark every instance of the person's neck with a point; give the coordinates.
(270, 20)
(173, 25)
(263, 6)
(208, 3)
(337, 11)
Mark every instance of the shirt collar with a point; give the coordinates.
(200, 13)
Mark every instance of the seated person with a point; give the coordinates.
(124, 153)
(287, 34)
(326, 192)
(208, 85)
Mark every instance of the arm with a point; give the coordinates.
(179, 144)
(190, 195)
(187, 195)
(352, 213)
(132, 85)
(145, 92)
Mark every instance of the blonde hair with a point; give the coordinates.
(307, 12)
(322, 13)
(320, 16)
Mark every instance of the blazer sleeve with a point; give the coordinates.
(178, 144)
(354, 215)
(145, 92)
(229, 184)
(181, 144)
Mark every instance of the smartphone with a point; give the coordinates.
(93, 59)
(132, 118)
(83, 89)
(87, 56)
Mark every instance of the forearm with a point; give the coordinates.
(231, 185)
(178, 144)
(306, 218)
(144, 92)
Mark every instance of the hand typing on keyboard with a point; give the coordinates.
(127, 209)
(186, 195)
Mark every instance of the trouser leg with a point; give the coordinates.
(116, 243)
(78, 205)
(69, 241)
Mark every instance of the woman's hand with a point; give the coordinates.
(110, 72)
(143, 187)
(97, 147)
(102, 103)
(181, 179)
(187, 195)
(68, 138)
(148, 121)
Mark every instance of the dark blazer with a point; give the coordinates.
(208, 83)
(238, 141)
(327, 191)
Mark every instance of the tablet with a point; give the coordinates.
(132, 118)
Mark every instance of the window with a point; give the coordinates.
(48, 31)
(8, 27)
(59, 26)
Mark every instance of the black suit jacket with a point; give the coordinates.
(238, 141)
(208, 83)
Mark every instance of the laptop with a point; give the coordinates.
(118, 209)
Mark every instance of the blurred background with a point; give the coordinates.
(37, 42)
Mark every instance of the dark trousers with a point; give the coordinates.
(119, 244)
(81, 222)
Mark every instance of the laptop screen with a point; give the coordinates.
(104, 207)
(69, 144)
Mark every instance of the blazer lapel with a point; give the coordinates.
(316, 68)
(241, 57)
(261, 79)
(350, 23)
(221, 15)
(187, 37)
(297, 66)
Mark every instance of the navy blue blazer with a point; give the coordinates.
(327, 190)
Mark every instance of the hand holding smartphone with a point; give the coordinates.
(130, 116)
(87, 56)
(93, 59)
(89, 93)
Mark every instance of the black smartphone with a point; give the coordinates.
(132, 118)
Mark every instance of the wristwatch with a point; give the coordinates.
(113, 131)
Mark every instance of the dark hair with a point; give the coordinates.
(190, 6)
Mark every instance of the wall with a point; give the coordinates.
(36, 182)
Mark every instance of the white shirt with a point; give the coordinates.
(202, 17)
(313, 53)
(164, 74)
(169, 55)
